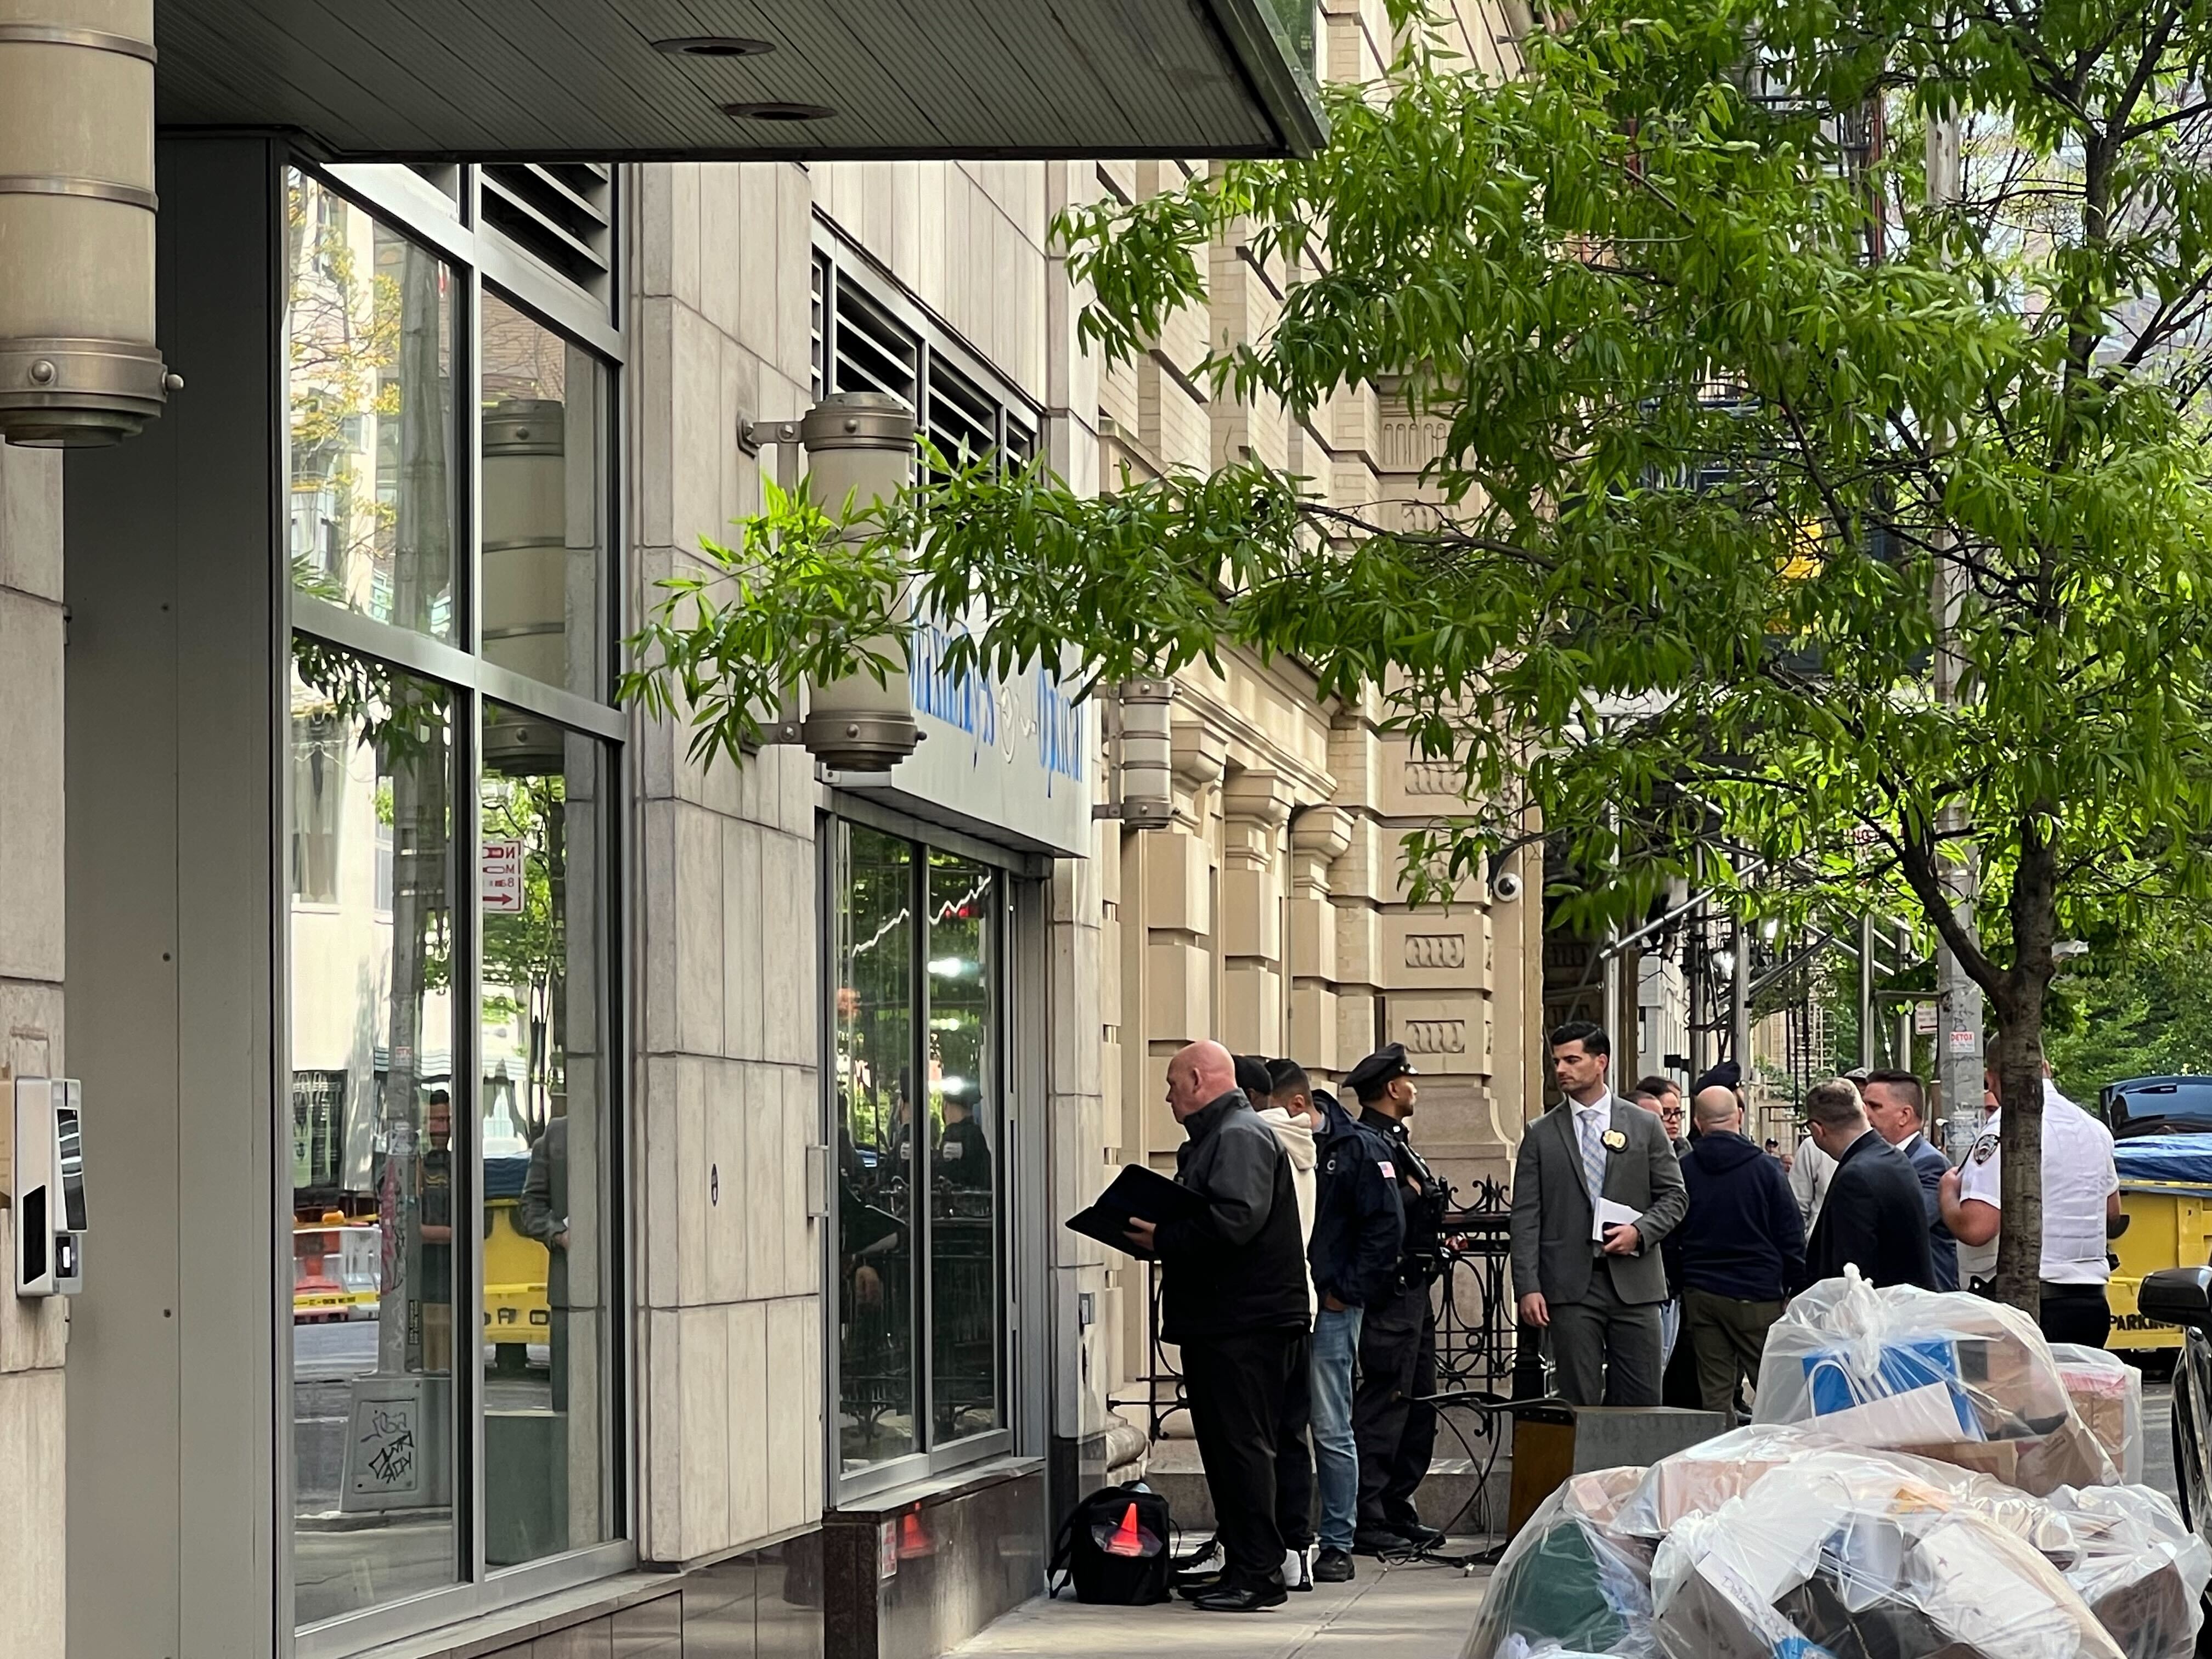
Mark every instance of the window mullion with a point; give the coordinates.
(468, 1088)
(919, 1206)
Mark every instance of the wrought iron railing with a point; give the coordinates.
(1480, 1345)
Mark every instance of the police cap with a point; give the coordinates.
(1372, 1075)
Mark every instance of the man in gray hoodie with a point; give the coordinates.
(1292, 1116)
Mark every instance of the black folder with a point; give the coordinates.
(1136, 1193)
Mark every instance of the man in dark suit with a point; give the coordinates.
(1895, 1105)
(1874, 1215)
(1596, 1186)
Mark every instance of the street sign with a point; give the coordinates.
(1965, 1043)
(499, 877)
(1923, 1019)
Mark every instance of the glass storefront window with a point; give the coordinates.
(917, 1026)
(458, 1329)
(544, 513)
(372, 1155)
(873, 1034)
(545, 1263)
(368, 345)
(964, 1118)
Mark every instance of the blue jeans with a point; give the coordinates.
(1336, 1454)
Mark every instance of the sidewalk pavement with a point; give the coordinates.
(1419, 1611)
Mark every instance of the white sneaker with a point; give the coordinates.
(1297, 1569)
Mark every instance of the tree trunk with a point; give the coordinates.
(2017, 1059)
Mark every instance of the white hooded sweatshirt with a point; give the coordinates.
(1298, 1141)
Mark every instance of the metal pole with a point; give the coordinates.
(1958, 1064)
(1740, 1001)
(1623, 1043)
(1868, 1054)
(1905, 1014)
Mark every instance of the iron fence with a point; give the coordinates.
(1479, 1345)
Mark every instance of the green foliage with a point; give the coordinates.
(1721, 399)
(2137, 1011)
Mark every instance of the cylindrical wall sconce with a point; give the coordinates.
(526, 553)
(860, 445)
(1144, 771)
(78, 365)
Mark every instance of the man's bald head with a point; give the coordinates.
(1198, 1076)
(1717, 1109)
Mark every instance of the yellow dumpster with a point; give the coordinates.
(2169, 1226)
(515, 1311)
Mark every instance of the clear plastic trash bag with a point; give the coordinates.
(1566, 1584)
(2108, 1396)
(2141, 1571)
(1846, 1555)
(1944, 1374)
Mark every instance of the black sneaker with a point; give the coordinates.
(1333, 1567)
(1421, 1537)
(1381, 1540)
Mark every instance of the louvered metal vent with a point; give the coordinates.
(962, 418)
(871, 350)
(865, 343)
(561, 211)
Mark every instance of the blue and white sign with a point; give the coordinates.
(1008, 760)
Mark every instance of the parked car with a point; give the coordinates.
(2182, 1296)
(2157, 1106)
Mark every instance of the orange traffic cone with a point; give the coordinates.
(1124, 1541)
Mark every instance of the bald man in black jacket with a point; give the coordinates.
(1874, 1216)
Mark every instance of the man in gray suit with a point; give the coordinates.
(1596, 1187)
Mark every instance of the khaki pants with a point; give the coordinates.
(1728, 1337)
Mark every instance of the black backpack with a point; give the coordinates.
(1114, 1548)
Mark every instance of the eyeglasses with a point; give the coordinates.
(1671, 1114)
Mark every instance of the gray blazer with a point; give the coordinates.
(1552, 1248)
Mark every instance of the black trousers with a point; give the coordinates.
(2076, 1313)
(1294, 1468)
(1396, 1431)
(1236, 1384)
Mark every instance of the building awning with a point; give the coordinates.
(746, 80)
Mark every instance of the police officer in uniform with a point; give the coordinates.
(1395, 1426)
(2081, 1213)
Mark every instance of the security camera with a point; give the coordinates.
(1505, 886)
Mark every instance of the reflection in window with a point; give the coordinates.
(320, 759)
(368, 360)
(374, 1154)
(544, 521)
(917, 994)
(965, 1116)
(546, 1352)
(873, 1029)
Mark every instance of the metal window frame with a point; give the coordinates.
(410, 206)
(1013, 1190)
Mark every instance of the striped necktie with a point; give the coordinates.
(1593, 1131)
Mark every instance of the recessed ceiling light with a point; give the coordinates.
(714, 45)
(777, 112)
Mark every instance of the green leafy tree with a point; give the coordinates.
(1720, 403)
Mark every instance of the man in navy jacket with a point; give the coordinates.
(1359, 1227)
(1895, 1103)
(1739, 1254)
